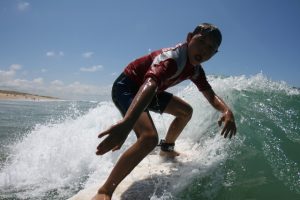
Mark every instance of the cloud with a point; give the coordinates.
(38, 81)
(77, 90)
(23, 6)
(6, 75)
(57, 83)
(44, 70)
(88, 54)
(92, 68)
(50, 54)
(55, 88)
(15, 67)
(8, 79)
(55, 54)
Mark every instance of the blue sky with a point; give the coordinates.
(75, 49)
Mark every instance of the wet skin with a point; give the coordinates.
(200, 49)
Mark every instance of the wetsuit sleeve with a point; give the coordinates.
(200, 80)
(162, 71)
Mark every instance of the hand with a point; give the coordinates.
(117, 135)
(229, 124)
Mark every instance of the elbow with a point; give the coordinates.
(151, 84)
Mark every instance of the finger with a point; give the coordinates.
(226, 132)
(101, 152)
(223, 130)
(233, 130)
(227, 129)
(116, 148)
(231, 134)
(106, 143)
(105, 146)
(103, 134)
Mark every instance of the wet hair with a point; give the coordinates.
(209, 29)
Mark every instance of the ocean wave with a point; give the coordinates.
(57, 159)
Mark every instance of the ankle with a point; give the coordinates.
(103, 190)
(165, 146)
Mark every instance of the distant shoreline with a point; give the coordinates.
(14, 95)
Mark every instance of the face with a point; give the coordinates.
(200, 48)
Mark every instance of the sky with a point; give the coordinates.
(75, 49)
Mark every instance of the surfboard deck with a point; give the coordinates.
(150, 177)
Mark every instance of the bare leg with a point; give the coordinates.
(146, 142)
(183, 113)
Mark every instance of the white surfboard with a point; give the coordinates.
(151, 176)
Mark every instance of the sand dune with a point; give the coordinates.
(14, 95)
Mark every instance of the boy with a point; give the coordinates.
(140, 88)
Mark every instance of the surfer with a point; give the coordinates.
(141, 88)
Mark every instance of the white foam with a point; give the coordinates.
(62, 155)
(57, 155)
(255, 82)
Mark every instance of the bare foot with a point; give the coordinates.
(169, 154)
(101, 197)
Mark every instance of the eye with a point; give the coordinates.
(212, 50)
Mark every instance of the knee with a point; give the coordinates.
(187, 112)
(149, 141)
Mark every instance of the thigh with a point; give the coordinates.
(144, 125)
(178, 107)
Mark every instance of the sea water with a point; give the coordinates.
(48, 148)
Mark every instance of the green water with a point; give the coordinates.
(266, 165)
(47, 148)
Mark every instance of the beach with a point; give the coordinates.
(14, 95)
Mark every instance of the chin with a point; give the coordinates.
(196, 63)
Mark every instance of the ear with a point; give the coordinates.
(189, 37)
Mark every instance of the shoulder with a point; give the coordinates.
(177, 53)
(199, 78)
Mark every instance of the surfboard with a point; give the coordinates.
(151, 176)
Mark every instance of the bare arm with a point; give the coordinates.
(140, 102)
(227, 117)
(118, 133)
